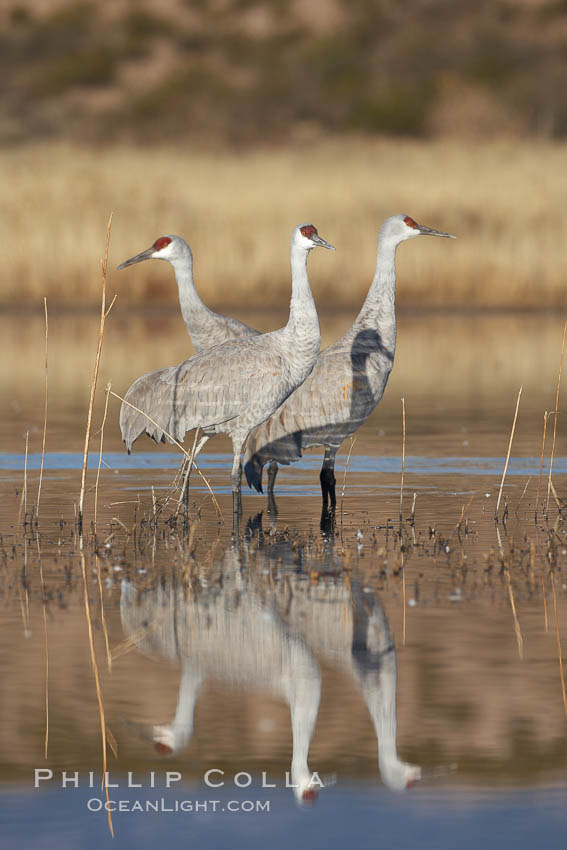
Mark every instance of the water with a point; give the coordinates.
(356, 816)
(216, 643)
(359, 463)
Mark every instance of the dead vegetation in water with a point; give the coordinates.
(421, 566)
(411, 561)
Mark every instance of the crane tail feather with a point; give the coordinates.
(253, 469)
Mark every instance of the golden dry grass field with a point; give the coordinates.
(506, 202)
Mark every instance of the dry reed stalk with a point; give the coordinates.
(173, 486)
(412, 515)
(179, 446)
(403, 603)
(558, 501)
(132, 641)
(559, 655)
(46, 643)
(544, 594)
(25, 608)
(111, 741)
(102, 617)
(518, 631)
(25, 623)
(106, 392)
(26, 477)
(508, 454)
(352, 442)
(464, 512)
(532, 566)
(97, 684)
(403, 459)
(44, 413)
(21, 508)
(129, 531)
(24, 499)
(556, 414)
(187, 464)
(103, 315)
(545, 415)
(517, 508)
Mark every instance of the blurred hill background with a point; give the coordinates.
(229, 121)
(251, 71)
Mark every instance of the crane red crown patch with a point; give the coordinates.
(410, 222)
(162, 242)
(309, 230)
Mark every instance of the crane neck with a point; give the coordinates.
(177, 734)
(303, 319)
(374, 668)
(303, 697)
(193, 309)
(378, 311)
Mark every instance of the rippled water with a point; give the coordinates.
(296, 648)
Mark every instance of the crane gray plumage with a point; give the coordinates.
(205, 327)
(246, 644)
(243, 629)
(346, 383)
(233, 387)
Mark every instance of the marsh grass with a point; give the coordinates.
(403, 459)
(188, 456)
(94, 665)
(103, 314)
(505, 202)
(555, 415)
(558, 641)
(508, 453)
(46, 399)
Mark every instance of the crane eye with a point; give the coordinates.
(162, 242)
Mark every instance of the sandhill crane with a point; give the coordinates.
(231, 635)
(346, 383)
(233, 387)
(350, 629)
(205, 327)
(252, 633)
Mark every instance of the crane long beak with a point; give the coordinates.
(429, 231)
(321, 242)
(145, 255)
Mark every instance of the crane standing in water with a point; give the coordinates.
(233, 387)
(205, 327)
(346, 383)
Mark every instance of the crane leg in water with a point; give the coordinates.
(187, 470)
(327, 524)
(272, 472)
(328, 480)
(236, 479)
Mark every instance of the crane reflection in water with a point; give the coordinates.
(242, 629)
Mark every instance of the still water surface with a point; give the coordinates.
(413, 667)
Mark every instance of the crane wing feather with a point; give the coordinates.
(346, 384)
(210, 389)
